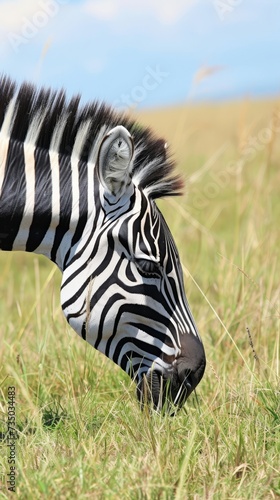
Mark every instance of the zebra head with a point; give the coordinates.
(130, 302)
(77, 187)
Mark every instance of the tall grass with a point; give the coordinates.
(80, 430)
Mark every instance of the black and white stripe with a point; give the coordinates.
(78, 185)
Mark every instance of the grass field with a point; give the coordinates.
(81, 433)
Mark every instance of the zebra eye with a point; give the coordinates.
(148, 268)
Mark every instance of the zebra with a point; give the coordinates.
(79, 184)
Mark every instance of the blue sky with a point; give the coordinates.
(144, 53)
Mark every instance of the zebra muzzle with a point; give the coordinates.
(164, 390)
(191, 364)
(160, 392)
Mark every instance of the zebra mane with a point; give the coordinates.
(47, 119)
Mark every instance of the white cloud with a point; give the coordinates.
(22, 21)
(13, 12)
(165, 11)
(103, 10)
(169, 12)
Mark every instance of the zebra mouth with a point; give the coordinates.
(162, 393)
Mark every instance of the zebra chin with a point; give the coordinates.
(164, 391)
(162, 394)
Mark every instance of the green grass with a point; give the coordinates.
(80, 430)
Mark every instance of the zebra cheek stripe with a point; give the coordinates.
(79, 185)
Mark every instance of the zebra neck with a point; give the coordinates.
(40, 206)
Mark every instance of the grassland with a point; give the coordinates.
(81, 432)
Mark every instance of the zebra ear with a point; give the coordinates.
(114, 160)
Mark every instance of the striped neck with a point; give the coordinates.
(43, 200)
